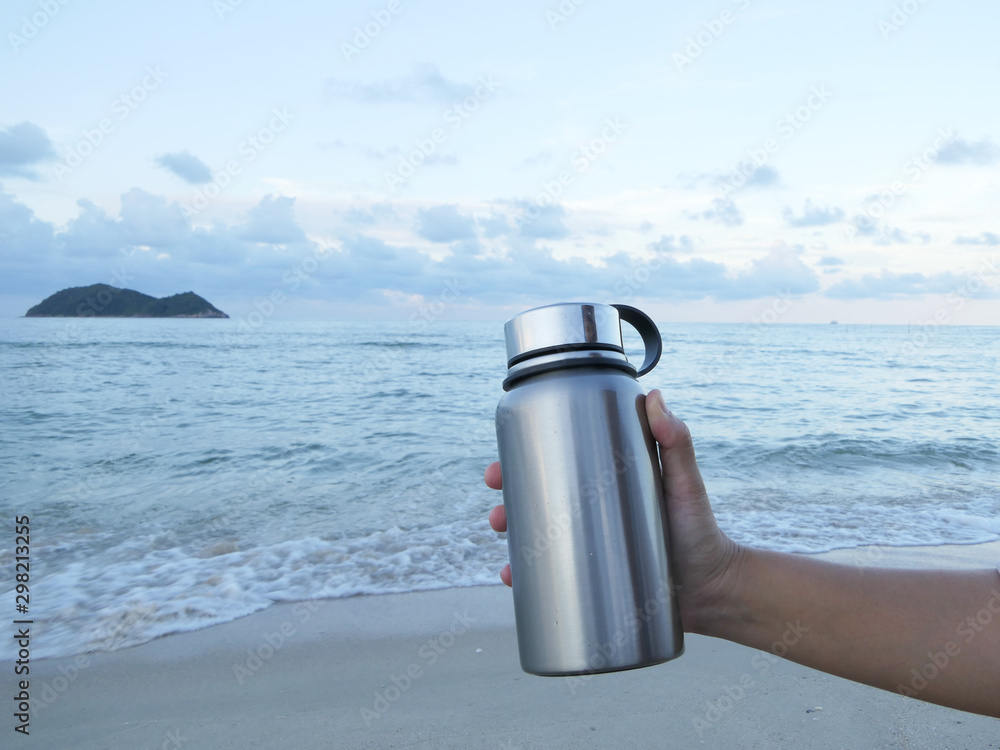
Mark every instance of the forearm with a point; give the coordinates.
(934, 635)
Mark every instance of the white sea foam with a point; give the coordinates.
(129, 596)
(815, 529)
(143, 589)
(989, 525)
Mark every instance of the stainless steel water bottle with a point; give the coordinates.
(586, 521)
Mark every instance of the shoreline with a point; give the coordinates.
(947, 556)
(439, 669)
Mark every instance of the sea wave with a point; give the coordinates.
(148, 586)
(138, 590)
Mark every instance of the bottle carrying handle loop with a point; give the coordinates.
(650, 335)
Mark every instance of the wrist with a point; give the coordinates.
(720, 604)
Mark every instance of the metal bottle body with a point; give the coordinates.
(586, 524)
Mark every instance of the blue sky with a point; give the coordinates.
(704, 161)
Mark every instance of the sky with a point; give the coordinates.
(734, 160)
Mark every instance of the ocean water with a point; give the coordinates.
(181, 473)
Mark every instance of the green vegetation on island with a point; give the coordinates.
(105, 301)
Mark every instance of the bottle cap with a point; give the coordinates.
(565, 327)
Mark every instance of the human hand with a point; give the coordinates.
(706, 560)
(498, 516)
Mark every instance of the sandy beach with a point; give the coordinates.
(439, 669)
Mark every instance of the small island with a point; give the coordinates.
(106, 301)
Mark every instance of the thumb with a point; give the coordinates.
(703, 554)
(681, 476)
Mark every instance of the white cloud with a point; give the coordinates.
(23, 146)
(187, 166)
(542, 222)
(813, 215)
(444, 224)
(722, 211)
(986, 238)
(424, 84)
(889, 285)
(272, 221)
(156, 243)
(983, 152)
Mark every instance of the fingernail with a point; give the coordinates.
(662, 404)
